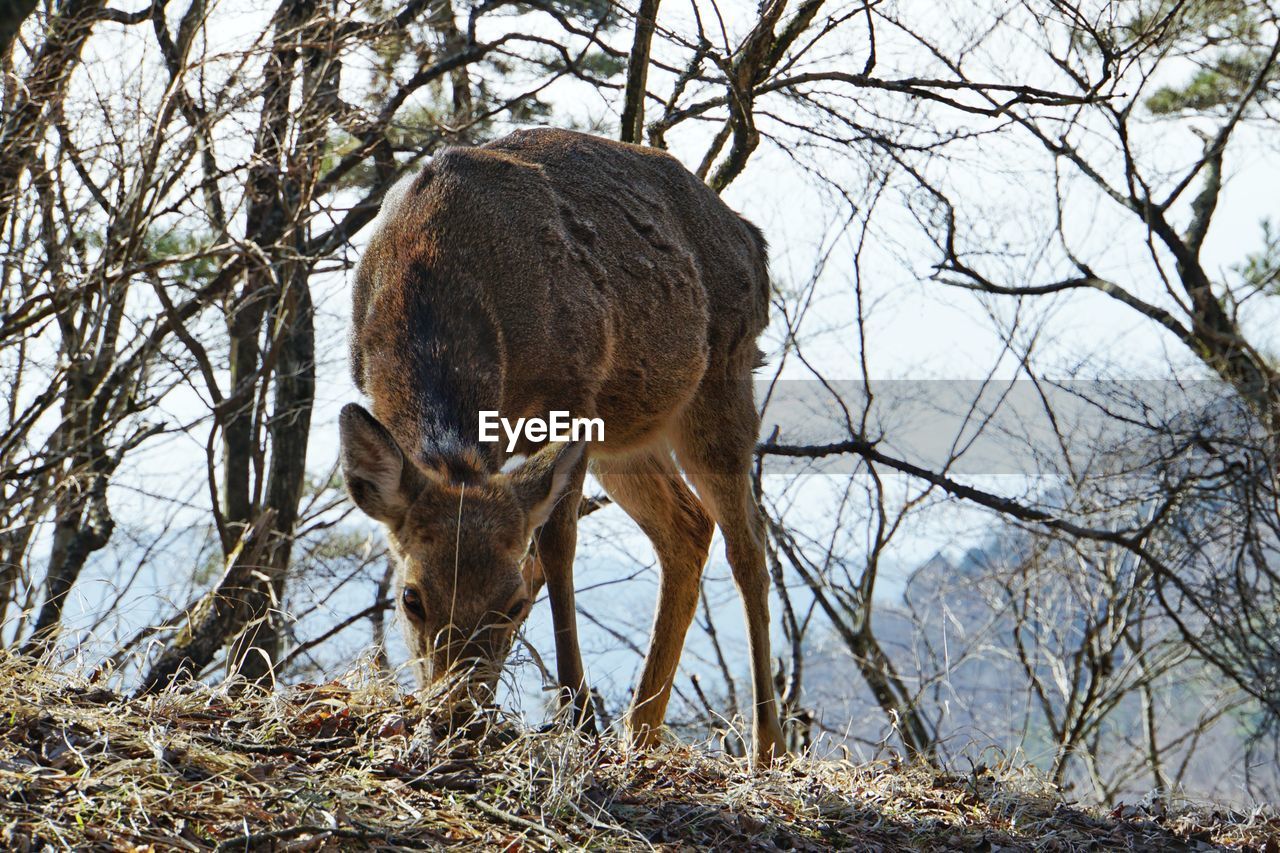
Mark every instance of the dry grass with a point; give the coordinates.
(359, 765)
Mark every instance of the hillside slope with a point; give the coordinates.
(361, 766)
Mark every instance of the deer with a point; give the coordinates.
(554, 270)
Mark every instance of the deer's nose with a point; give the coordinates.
(449, 642)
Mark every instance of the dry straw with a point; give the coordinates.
(359, 765)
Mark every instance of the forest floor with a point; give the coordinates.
(359, 765)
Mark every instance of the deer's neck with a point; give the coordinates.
(439, 364)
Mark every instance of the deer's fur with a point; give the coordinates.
(551, 270)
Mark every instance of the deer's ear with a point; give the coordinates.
(377, 477)
(541, 481)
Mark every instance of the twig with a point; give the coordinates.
(525, 823)
(249, 841)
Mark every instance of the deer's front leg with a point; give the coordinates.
(555, 543)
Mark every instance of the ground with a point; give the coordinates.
(358, 765)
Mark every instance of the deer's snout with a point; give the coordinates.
(471, 659)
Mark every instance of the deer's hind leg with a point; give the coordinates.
(649, 488)
(715, 443)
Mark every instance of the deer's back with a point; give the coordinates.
(581, 274)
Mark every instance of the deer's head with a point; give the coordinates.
(464, 580)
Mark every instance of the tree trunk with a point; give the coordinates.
(219, 615)
(289, 430)
(24, 122)
(275, 302)
(12, 14)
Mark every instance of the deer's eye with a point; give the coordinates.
(412, 601)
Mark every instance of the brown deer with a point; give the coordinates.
(546, 271)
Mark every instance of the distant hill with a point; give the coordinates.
(947, 636)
